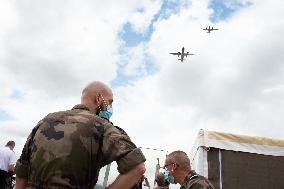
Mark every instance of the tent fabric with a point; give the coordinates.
(243, 143)
(233, 161)
(238, 170)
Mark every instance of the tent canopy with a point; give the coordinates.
(242, 143)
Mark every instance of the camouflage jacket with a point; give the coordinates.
(195, 181)
(67, 149)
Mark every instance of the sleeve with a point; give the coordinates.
(22, 165)
(202, 184)
(12, 159)
(118, 147)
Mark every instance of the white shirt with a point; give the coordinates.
(7, 157)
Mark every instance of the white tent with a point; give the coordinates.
(233, 161)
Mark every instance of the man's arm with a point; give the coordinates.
(11, 168)
(128, 179)
(118, 147)
(12, 162)
(22, 165)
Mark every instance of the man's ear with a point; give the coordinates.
(175, 166)
(97, 98)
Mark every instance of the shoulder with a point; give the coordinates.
(12, 153)
(7, 151)
(121, 130)
(199, 182)
(71, 125)
(116, 134)
(75, 116)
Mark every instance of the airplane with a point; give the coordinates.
(208, 28)
(182, 54)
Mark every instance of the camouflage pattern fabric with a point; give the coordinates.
(67, 149)
(195, 181)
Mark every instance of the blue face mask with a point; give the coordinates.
(168, 177)
(106, 113)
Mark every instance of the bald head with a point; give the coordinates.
(96, 95)
(180, 158)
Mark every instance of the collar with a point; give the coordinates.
(80, 107)
(83, 107)
(191, 175)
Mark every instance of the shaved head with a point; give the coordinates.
(180, 158)
(94, 93)
(95, 87)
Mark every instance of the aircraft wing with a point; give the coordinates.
(175, 53)
(188, 54)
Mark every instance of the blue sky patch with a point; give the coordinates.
(17, 95)
(131, 38)
(224, 9)
(122, 78)
(151, 67)
(171, 7)
(4, 116)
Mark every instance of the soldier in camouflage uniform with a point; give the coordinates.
(161, 182)
(67, 149)
(178, 170)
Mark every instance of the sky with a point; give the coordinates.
(234, 83)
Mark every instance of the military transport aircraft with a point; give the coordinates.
(182, 54)
(208, 28)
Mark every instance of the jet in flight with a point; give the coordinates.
(209, 29)
(182, 54)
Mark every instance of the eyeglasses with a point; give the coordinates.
(166, 166)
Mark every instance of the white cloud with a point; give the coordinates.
(51, 52)
(135, 61)
(233, 83)
(142, 18)
(8, 18)
(221, 87)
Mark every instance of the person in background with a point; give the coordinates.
(161, 182)
(178, 170)
(140, 184)
(7, 163)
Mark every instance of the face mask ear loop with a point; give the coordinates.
(106, 104)
(97, 98)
